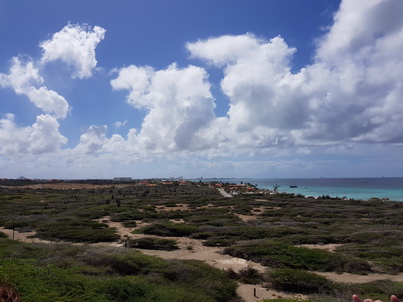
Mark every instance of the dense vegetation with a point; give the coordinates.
(63, 272)
(268, 229)
(281, 255)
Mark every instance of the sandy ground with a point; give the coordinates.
(326, 247)
(193, 249)
(22, 236)
(257, 212)
(253, 293)
(351, 278)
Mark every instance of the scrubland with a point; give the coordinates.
(299, 242)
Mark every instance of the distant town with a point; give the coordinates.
(229, 188)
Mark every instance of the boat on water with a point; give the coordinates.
(293, 186)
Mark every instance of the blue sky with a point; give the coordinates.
(226, 88)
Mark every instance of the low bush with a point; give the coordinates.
(120, 217)
(202, 235)
(381, 289)
(201, 277)
(218, 242)
(150, 243)
(170, 229)
(246, 275)
(77, 230)
(126, 289)
(387, 256)
(298, 281)
(17, 224)
(50, 283)
(281, 255)
(96, 212)
(129, 224)
(249, 275)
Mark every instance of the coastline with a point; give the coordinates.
(365, 188)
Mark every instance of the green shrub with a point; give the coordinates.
(171, 229)
(281, 255)
(41, 284)
(126, 289)
(129, 224)
(15, 224)
(150, 243)
(126, 262)
(246, 275)
(298, 281)
(199, 276)
(379, 289)
(249, 275)
(218, 242)
(96, 212)
(202, 235)
(120, 217)
(77, 230)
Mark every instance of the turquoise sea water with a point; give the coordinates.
(357, 188)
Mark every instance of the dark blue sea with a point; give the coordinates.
(356, 188)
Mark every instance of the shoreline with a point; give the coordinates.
(364, 188)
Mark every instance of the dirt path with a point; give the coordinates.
(22, 236)
(225, 194)
(189, 248)
(253, 293)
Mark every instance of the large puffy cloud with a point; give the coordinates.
(360, 28)
(42, 137)
(74, 45)
(350, 93)
(137, 80)
(265, 101)
(179, 104)
(360, 69)
(23, 78)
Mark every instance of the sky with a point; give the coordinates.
(156, 88)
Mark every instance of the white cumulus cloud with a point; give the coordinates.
(264, 103)
(24, 78)
(74, 45)
(225, 49)
(179, 104)
(42, 137)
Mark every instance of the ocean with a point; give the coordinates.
(356, 188)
